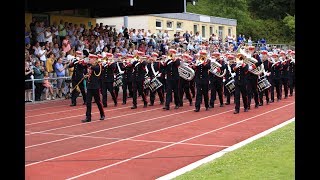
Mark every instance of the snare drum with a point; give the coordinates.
(118, 81)
(154, 84)
(230, 86)
(263, 84)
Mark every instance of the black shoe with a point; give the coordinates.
(190, 103)
(145, 105)
(72, 104)
(197, 110)
(221, 105)
(256, 106)
(86, 120)
(102, 117)
(129, 96)
(84, 103)
(227, 103)
(134, 107)
(176, 107)
(207, 108)
(115, 104)
(105, 105)
(123, 103)
(161, 103)
(261, 104)
(236, 112)
(151, 104)
(271, 101)
(246, 110)
(248, 107)
(286, 97)
(166, 108)
(211, 106)
(290, 95)
(181, 105)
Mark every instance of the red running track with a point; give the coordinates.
(145, 143)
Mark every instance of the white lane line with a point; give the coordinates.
(221, 153)
(165, 147)
(138, 140)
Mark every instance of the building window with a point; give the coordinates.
(203, 31)
(169, 24)
(229, 31)
(195, 28)
(179, 25)
(211, 30)
(221, 32)
(158, 24)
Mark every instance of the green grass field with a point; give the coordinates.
(270, 157)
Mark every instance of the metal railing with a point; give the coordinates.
(33, 86)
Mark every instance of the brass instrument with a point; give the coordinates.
(250, 61)
(215, 65)
(185, 71)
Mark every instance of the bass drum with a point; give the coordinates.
(230, 86)
(263, 84)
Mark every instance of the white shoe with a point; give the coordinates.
(48, 98)
(53, 98)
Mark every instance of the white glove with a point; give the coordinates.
(250, 68)
(76, 62)
(238, 64)
(233, 74)
(223, 80)
(215, 70)
(268, 74)
(159, 75)
(32, 77)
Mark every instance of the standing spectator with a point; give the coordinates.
(28, 85)
(186, 36)
(40, 32)
(42, 54)
(48, 85)
(60, 71)
(38, 74)
(66, 47)
(62, 30)
(249, 41)
(48, 35)
(27, 35)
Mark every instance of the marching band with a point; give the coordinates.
(247, 71)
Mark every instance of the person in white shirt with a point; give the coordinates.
(42, 55)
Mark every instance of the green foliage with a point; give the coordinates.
(269, 19)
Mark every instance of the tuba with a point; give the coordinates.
(250, 61)
(214, 65)
(185, 71)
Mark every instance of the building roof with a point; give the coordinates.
(199, 18)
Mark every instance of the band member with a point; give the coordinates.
(202, 67)
(229, 76)
(77, 78)
(154, 72)
(253, 79)
(292, 71)
(127, 78)
(118, 70)
(93, 86)
(138, 77)
(276, 68)
(172, 82)
(241, 70)
(108, 72)
(184, 86)
(267, 68)
(216, 80)
(284, 73)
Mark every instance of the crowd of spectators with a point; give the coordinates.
(49, 49)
